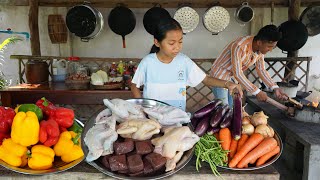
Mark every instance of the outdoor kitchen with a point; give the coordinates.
(88, 89)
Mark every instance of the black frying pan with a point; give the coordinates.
(122, 21)
(152, 17)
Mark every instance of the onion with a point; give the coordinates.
(247, 129)
(246, 120)
(264, 130)
(259, 118)
(271, 130)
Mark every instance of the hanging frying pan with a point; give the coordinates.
(188, 18)
(216, 19)
(294, 35)
(122, 21)
(152, 17)
(310, 17)
(244, 13)
(84, 21)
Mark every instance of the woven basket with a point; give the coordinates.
(77, 84)
(57, 29)
(108, 86)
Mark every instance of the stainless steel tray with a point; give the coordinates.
(269, 162)
(58, 164)
(145, 103)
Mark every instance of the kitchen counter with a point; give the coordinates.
(85, 171)
(58, 92)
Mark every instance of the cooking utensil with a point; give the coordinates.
(152, 17)
(294, 35)
(268, 163)
(310, 17)
(216, 19)
(188, 18)
(98, 165)
(122, 21)
(58, 165)
(302, 95)
(84, 21)
(244, 14)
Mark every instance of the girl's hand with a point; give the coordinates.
(232, 87)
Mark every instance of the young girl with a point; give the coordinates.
(165, 72)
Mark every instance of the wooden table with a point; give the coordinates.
(59, 94)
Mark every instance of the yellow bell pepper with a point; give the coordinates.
(41, 157)
(67, 147)
(25, 128)
(13, 153)
(17, 108)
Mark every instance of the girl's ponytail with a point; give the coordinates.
(154, 49)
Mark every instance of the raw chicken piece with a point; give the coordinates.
(100, 138)
(168, 115)
(139, 129)
(125, 110)
(174, 139)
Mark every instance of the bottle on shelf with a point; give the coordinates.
(113, 70)
(120, 68)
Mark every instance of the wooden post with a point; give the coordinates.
(34, 27)
(293, 14)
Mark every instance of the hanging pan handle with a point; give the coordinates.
(123, 41)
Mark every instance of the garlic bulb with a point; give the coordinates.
(259, 118)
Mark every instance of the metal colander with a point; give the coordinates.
(188, 18)
(216, 19)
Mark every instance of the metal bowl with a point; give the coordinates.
(58, 165)
(96, 164)
(269, 162)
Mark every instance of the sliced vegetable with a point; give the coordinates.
(225, 138)
(237, 117)
(267, 156)
(212, 130)
(267, 145)
(207, 109)
(218, 115)
(227, 119)
(250, 144)
(202, 126)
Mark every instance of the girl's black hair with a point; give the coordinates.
(161, 30)
(268, 33)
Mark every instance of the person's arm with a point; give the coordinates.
(268, 81)
(135, 91)
(232, 87)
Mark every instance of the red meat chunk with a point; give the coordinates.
(156, 160)
(118, 163)
(143, 147)
(123, 147)
(135, 163)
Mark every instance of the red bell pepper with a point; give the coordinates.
(43, 102)
(6, 118)
(49, 132)
(63, 116)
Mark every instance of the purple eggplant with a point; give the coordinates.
(227, 119)
(202, 126)
(194, 122)
(212, 130)
(237, 117)
(218, 115)
(207, 109)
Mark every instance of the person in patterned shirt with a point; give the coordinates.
(238, 56)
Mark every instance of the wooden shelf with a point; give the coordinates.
(163, 3)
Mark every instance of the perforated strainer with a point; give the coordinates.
(188, 18)
(216, 19)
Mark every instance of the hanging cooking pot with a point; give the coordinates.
(310, 17)
(188, 18)
(122, 21)
(294, 35)
(153, 16)
(216, 19)
(84, 21)
(244, 13)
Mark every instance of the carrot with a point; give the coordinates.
(225, 138)
(267, 156)
(216, 135)
(242, 140)
(233, 147)
(251, 143)
(267, 145)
